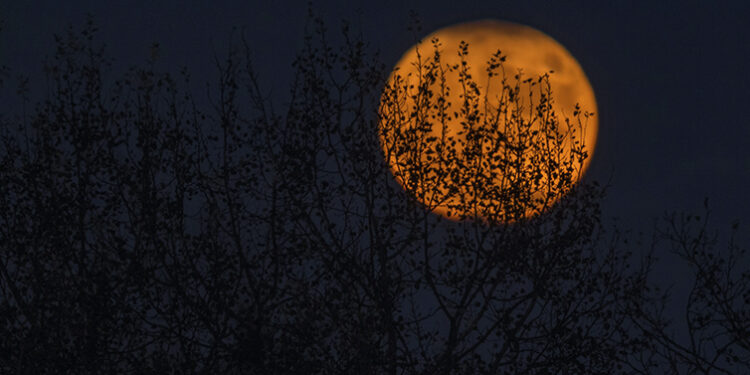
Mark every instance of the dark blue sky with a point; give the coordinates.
(670, 77)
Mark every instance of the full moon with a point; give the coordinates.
(487, 120)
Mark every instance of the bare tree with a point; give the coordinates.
(144, 230)
(717, 312)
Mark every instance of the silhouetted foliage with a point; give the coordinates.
(143, 230)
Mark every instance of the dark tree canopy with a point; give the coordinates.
(147, 230)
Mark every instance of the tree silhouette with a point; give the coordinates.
(716, 311)
(145, 230)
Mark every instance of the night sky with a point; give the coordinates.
(670, 77)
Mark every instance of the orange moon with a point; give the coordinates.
(404, 111)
